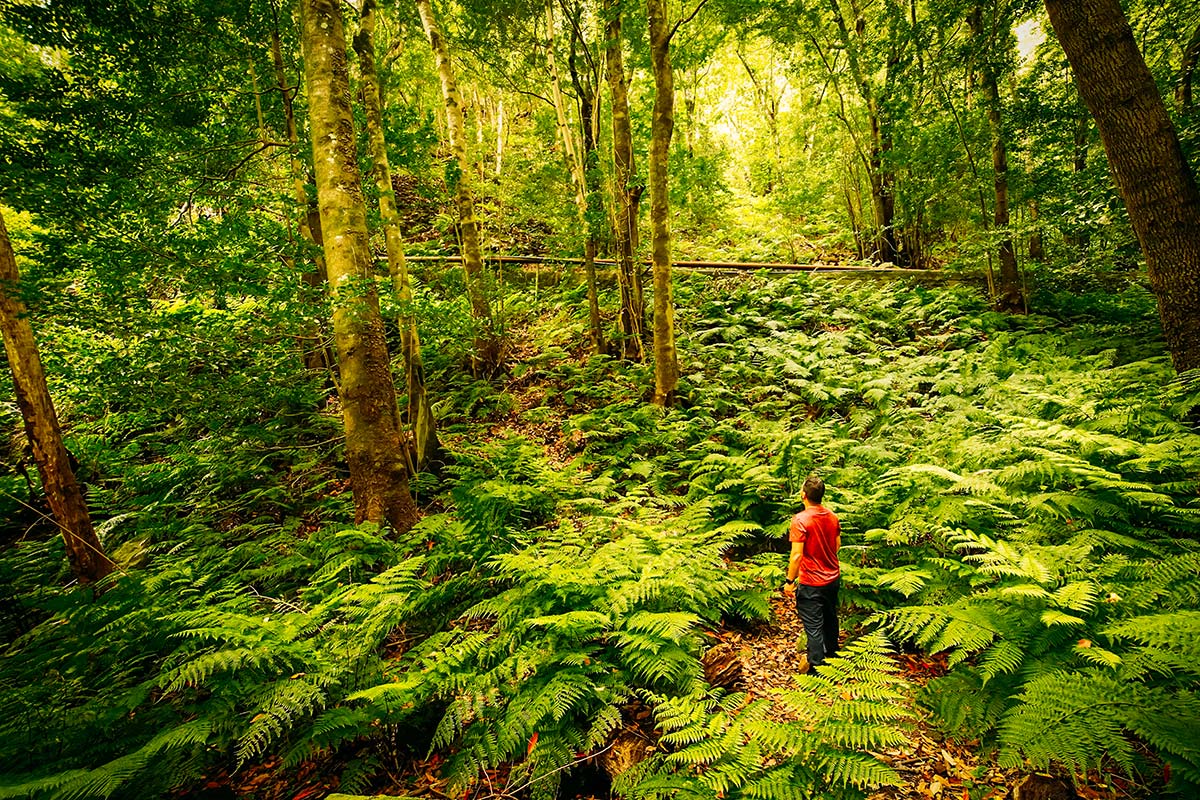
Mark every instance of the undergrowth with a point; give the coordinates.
(1017, 492)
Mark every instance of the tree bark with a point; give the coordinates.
(88, 561)
(1187, 69)
(1081, 237)
(1037, 248)
(578, 169)
(315, 354)
(1143, 150)
(374, 447)
(880, 175)
(500, 134)
(626, 193)
(593, 206)
(1008, 291)
(487, 347)
(420, 412)
(666, 361)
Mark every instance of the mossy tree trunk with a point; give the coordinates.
(666, 361)
(315, 350)
(420, 412)
(627, 192)
(487, 346)
(374, 448)
(1143, 150)
(88, 561)
(1008, 290)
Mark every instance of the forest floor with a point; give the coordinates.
(931, 766)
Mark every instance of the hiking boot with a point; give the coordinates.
(802, 666)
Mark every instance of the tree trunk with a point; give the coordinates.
(1187, 69)
(420, 413)
(487, 347)
(1143, 149)
(593, 206)
(662, 125)
(315, 352)
(575, 164)
(500, 134)
(1037, 249)
(1081, 237)
(883, 182)
(626, 195)
(374, 445)
(88, 561)
(768, 105)
(1008, 292)
(879, 173)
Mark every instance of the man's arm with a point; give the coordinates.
(793, 568)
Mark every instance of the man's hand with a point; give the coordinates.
(789, 589)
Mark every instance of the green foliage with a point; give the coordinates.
(733, 746)
(1017, 493)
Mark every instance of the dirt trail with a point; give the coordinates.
(929, 765)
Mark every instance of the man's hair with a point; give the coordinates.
(814, 489)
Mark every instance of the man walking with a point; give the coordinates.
(815, 535)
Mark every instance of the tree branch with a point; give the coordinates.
(687, 19)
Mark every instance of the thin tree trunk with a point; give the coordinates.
(487, 346)
(500, 134)
(315, 352)
(1081, 238)
(88, 561)
(1143, 150)
(879, 174)
(420, 412)
(374, 438)
(666, 361)
(626, 195)
(1008, 295)
(591, 205)
(1037, 248)
(1187, 69)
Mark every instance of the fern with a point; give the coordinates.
(737, 748)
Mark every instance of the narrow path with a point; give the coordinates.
(929, 765)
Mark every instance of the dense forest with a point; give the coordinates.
(411, 399)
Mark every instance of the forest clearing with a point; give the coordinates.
(492, 400)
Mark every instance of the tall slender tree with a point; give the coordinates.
(879, 170)
(662, 126)
(487, 346)
(308, 220)
(1143, 149)
(576, 155)
(420, 412)
(627, 190)
(374, 448)
(585, 77)
(1008, 290)
(88, 560)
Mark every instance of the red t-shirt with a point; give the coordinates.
(818, 528)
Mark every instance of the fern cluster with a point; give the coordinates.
(1017, 492)
(737, 747)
